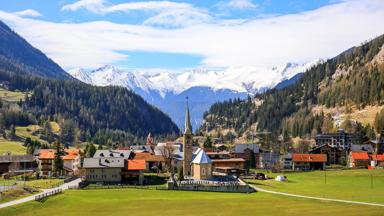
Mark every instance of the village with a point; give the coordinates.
(187, 167)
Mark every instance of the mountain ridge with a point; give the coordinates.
(168, 90)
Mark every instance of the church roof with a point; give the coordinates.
(187, 125)
(201, 158)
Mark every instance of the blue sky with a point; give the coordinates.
(187, 34)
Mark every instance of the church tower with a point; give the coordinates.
(187, 143)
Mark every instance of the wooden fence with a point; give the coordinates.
(47, 194)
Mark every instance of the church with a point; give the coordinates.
(198, 165)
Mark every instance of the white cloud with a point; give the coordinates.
(169, 13)
(241, 4)
(95, 6)
(100, 6)
(28, 13)
(179, 18)
(268, 42)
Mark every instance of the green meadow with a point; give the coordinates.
(358, 185)
(159, 202)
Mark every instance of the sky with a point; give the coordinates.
(192, 34)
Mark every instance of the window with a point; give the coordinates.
(203, 171)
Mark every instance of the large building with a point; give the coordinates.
(341, 139)
(106, 169)
(187, 144)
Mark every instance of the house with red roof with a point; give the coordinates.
(71, 161)
(308, 161)
(133, 171)
(377, 160)
(358, 159)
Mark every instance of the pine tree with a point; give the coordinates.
(58, 163)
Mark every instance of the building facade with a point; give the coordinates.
(341, 139)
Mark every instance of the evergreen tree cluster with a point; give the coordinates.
(358, 81)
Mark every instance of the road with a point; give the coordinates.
(315, 198)
(32, 197)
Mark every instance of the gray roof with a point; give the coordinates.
(141, 148)
(201, 158)
(16, 158)
(112, 154)
(239, 148)
(108, 162)
(362, 148)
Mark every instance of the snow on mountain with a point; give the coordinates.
(239, 79)
(168, 89)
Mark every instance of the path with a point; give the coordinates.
(32, 197)
(315, 198)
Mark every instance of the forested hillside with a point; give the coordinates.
(354, 78)
(90, 109)
(17, 55)
(85, 113)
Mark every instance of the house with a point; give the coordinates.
(223, 159)
(268, 159)
(71, 160)
(358, 159)
(363, 148)
(287, 161)
(103, 170)
(340, 140)
(335, 155)
(308, 161)
(248, 152)
(141, 148)
(17, 164)
(45, 161)
(152, 162)
(377, 160)
(127, 154)
(134, 171)
(202, 166)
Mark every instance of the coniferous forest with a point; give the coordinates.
(354, 77)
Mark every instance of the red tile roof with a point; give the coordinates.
(47, 154)
(360, 155)
(148, 157)
(309, 157)
(378, 157)
(136, 165)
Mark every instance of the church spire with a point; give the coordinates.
(187, 125)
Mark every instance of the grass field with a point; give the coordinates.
(341, 184)
(154, 202)
(15, 147)
(27, 131)
(11, 96)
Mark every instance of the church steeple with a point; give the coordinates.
(187, 124)
(187, 144)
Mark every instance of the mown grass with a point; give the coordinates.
(14, 147)
(358, 185)
(157, 202)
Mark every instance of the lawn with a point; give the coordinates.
(159, 202)
(340, 184)
(15, 147)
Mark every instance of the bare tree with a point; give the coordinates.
(169, 160)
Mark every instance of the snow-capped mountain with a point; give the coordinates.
(168, 89)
